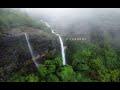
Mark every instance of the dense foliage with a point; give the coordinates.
(13, 19)
(94, 60)
(87, 63)
(50, 71)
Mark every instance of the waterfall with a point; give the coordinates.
(62, 47)
(31, 51)
(61, 43)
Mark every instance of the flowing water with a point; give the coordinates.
(61, 43)
(31, 51)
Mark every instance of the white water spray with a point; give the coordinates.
(31, 51)
(61, 43)
(62, 47)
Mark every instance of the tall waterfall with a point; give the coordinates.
(31, 51)
(61, 43)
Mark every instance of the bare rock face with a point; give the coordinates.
(15, 54)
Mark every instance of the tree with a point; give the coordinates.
(96, 64)
(115, 75)
(57, 62)
(110, 56)
(48, 71)
(52, 78)
(66, 73)
(31, 78)
(42, 71)
(50, 66)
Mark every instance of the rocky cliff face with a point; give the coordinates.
(14, 52)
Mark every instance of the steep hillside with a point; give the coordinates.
(14, 52)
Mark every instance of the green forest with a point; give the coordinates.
(94, 60)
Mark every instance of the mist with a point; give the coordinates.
(69, 44)
(77, 19)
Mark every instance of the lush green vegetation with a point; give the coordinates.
(87, 63)
(95, 60)
(14, 53)
(15, 19)
(50, 71)
(94, 63)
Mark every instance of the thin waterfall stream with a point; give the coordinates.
(31, 51)
(61, 43)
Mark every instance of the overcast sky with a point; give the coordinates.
(66, 17)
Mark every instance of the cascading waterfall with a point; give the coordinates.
(61, 43)
(31, 51)
(62, 47)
